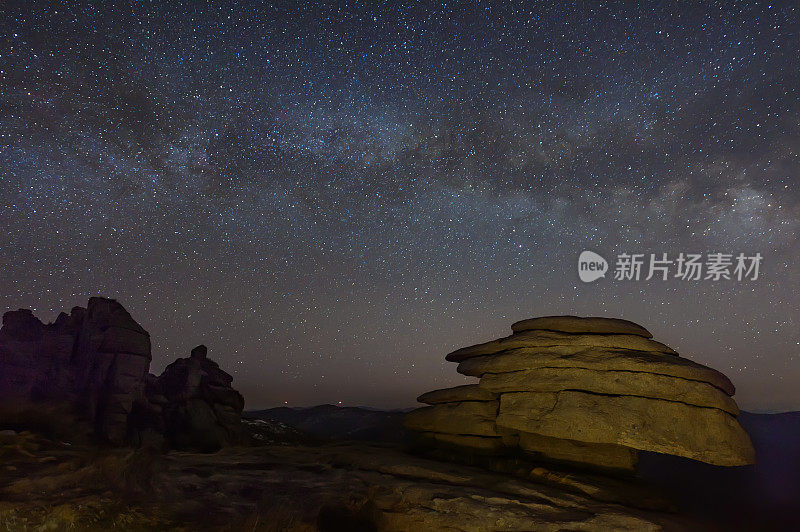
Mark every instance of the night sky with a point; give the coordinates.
(333, 198)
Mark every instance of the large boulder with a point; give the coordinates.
(585, 391)
(94, 358)
(112, 357)
(596, 358)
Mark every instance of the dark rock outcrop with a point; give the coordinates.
(201, 411)
(33, 355)
(110, 362)
(94, 359)
(87, 375)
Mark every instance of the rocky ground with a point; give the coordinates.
(290, 480)
(49, 485)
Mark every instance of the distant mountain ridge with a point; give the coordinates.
(338, 422)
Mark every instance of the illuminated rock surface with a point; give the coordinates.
(587, 391)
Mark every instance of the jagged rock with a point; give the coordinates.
(540, 339)
(22, 325)
(33, 357)
(596, 358)
(223, 396)
(466, 392)
(112, 357)
(88, 373)
(93, 358)
(200, 352)
(576, 324)
(705, 434)
(636, 383)
(202, 411)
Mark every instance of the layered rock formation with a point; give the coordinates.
(87, 374)
(588, 391)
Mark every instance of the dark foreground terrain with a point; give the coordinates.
(290, 480)
(332, 486)
(761, 497)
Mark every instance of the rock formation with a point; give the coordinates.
(586, 391)
(95, 359)
(87, 374)
(202, 411)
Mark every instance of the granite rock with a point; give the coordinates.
(466, 392)
(705, 434)
(589, 392)
(638, 383)
(579, 325)
(540, 339)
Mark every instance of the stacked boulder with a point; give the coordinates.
(200, 409)
(88, 374)
(587, 391)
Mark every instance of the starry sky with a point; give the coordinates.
(332, 197)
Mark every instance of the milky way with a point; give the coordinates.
(332, 198)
